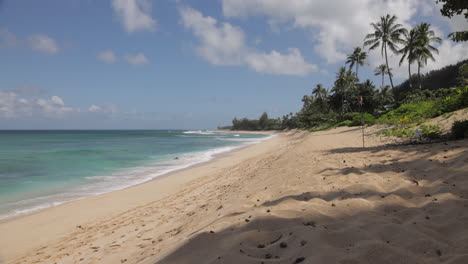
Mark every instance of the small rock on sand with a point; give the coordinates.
(299, 260)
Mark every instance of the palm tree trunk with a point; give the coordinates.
(383, 76)
(388, 68)
(419, 75)
(409, 74)
(357, 67)
(342, 106)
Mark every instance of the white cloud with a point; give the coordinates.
(135, 15)
(7, 39)
(106, 56)
(225, 44)
(57, 101)
(449, 53)
(43, 43)
(137, 59)
(337, 24)
(276, 63)
(94, 108)
(220, 45)
(7, 103)
(458, 23)
(12, 106)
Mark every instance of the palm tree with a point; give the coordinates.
(385, 98)
(382, 70)
(386, 34)
(344, 84)
(319, 91)
(320, 95)
(358, 57)
(411, 44)
(339, 87)
(424, 49)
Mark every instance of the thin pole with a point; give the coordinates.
(361, 102)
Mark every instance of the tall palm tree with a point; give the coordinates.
(411, 44)
(382, 70)
(319, 91)
(320, 96)
(386, 34)
(358, 57)
(424, 49)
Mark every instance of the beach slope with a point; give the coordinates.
(297, 198)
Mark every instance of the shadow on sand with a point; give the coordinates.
(424, 224)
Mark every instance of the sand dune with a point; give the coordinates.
(298, 198)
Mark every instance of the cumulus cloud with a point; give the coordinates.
(43, 43)
(335, 35)
(57, 101)
(220, 45)
(135, 15)
(94, 108)
(225, 44)
(109, 109)
(346, 27)
(276, 63)
(107, 56)
(7, 39)
(137, 59)
(13, 106)
(449, 53)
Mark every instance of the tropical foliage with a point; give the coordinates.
(352, 102)
(387, 34)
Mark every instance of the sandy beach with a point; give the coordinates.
(299, 197)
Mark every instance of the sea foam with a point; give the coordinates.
(100, 184)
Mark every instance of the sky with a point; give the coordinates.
(186, 64)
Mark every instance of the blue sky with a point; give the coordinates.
(69, 64)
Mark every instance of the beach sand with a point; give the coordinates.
(297, 198)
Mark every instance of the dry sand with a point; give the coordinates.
(297, 198)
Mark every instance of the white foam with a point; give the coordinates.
(100, 184)
(199, 132)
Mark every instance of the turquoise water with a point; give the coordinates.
(39, 169)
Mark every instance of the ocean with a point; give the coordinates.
(40, 169)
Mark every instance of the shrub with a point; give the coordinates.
(414, 112)
(354, 119)
(451, 103)
(346, 123)
(417, 112)
(398, 132)
(431, 132)
(460, 129)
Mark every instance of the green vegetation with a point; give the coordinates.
(263, 123)
(398, 132)
(431, 132)
(351, 102)
(460, 129)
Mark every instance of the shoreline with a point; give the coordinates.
(315, 197)
(260, 132)
(65, 206)
(165, 174)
